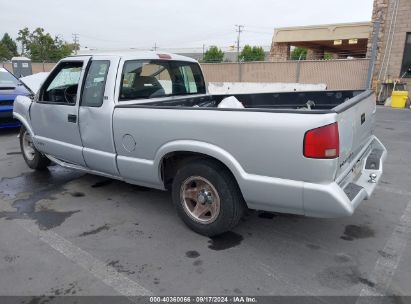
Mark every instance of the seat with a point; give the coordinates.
(147, 86)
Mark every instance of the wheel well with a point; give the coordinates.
(174, 160)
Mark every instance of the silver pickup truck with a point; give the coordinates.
(147, 119)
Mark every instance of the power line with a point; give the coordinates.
(202, 39)
(104, 40)
(206, 38)
(261, 27)
(262, 33)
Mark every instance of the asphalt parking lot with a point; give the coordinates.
(68, 233)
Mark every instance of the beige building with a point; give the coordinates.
(341, 40)
(354, 40)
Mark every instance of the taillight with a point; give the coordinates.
(322, 142)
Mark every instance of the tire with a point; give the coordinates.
(220, 194)
(33, 158)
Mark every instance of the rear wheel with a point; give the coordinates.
(207, 197)
(34, 159)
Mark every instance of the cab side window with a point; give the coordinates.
(62, 86)
(145, 79)
(95, 84)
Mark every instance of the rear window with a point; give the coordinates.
(143, 79)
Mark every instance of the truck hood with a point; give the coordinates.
(34, 81)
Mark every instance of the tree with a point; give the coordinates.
(299, 54)
(9, 43)
(41, 46)
(213, 54)
(24, 38)
(254, 53)
(5, 53)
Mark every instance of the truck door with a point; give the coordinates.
(54, 115)
(96, 114)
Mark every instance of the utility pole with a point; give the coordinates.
(238, 30)
(76, 42)
(155, 47)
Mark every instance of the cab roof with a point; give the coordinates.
(135, 55)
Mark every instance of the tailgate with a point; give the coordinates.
(356, 123)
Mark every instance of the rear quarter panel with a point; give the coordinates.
(258, 147)
(263, 143)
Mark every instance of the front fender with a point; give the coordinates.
(21, 111)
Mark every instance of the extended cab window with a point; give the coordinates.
(159, 78)
(93, 90)
(62, 86)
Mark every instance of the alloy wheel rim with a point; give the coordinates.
(200, 199)
(28, 146)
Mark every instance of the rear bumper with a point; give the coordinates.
(343, 196)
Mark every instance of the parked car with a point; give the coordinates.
(10, 88)
(146, 119)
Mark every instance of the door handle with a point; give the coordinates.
(72, 118)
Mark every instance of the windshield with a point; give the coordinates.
(7, 79)
(158, 78)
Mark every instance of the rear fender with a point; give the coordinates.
(259, 192)
(202, 148)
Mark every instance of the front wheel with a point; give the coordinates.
(34, 159)
(207, 197)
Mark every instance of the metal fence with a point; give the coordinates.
(336, 74)
(37, 67)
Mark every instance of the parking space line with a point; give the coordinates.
(387, 263)
(107, 274)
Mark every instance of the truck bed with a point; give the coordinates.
(322, 101)
(262, 144)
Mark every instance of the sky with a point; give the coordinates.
(108, 24)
